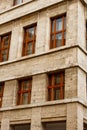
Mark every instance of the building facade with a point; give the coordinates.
(43, 64)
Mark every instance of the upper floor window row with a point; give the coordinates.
(57, 38)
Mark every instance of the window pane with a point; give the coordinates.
(57, 79)
(59, 40)
(56, 126)
(1, 87)
(6, 41)
(29, 48)
(59, 24)
(31, 33)
(25, 98)
(26, 85)
(4, 55)
(18, 2)
(56, 93)
(50, 80)
(21, 127)
(49, 94)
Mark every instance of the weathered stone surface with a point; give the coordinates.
(72, 58)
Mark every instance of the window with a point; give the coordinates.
(21, 127)
(56, 86)
(24, 92)
(29, 40)
(85, 126)
(55, 126)
(16, 2)
(58, 32)
(1, 92)
(4, 47)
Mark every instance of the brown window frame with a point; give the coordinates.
(3, 47)
(1, 92)
(21, 91)
(52, 87)
(15, 2)
(57, 32)
(27, 41)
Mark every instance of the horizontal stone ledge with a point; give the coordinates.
(25, 9)
(44, 104)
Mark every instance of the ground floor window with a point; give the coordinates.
(85, 126)
(55, 126)
(20, 127)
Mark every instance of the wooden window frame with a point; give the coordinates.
(56, 86)
(57, 32)
(1, 93)
(21, 91)
(3, 46)
(26, 41)
(15, 2)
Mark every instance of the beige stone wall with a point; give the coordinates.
(35, 65)
(70, 58)
(74, 117)
(71, 83)
(5, 4)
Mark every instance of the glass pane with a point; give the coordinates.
(49, 94)
(29, 48)
(59, 40)
(50, 80)
(25, 98)
(4, 55)
(56, 126)
(64, 22)
(18, 1)
(57, 79)
(1, 87)
(26, 85)
(57, 93)
(59, 24)
(52, 26)
(31, 33)
(6, 41)
(21, 127)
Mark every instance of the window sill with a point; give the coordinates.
(23, 58)
(44, 104)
